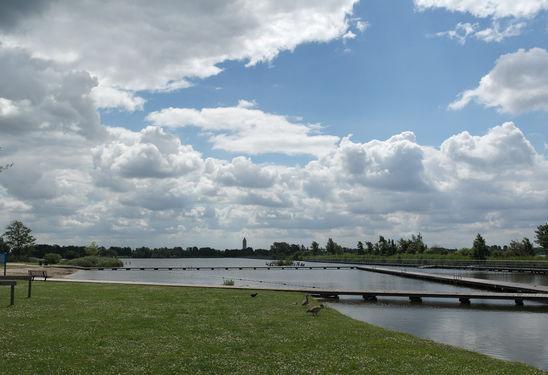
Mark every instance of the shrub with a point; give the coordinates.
(52, 258)
(281, 263)
(228, 282)
(95, 261)
(35, 260)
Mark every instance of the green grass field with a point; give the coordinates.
(70, 328)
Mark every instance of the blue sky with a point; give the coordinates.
(395, 76)
(198, 123)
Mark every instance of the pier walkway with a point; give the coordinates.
(221, 268)
(417, 296)
(533, 270)
(368, 295)
(496, 285)
(534, 267)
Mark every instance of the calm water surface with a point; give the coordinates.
(496, 328)
(515, 277)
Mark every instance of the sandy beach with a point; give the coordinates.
(18, 269)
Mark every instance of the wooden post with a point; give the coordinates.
(12, 294)
(30, 286)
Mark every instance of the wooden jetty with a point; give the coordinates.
(221, 268)
(496, 266)
(533, 270)
(417, 296)
(414, 296)
(521, 266)
(497, 285)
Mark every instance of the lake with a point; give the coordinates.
(515, 277)
(495, 328)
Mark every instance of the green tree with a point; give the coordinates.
(404, 246)
(52, 258)
(520, 248)
(527, 247)
(385, 247)
(479, 248)
(109, 253)
(417, 244)
(280, 249)
(315, 248)
(330, 246)
(542, 235)
(360, 247)
(19, 239)
(92, 249)
(142, 252)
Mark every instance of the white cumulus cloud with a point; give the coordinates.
(142, 45)
(496, 32)
(147, 187)
(37, 94)
(110, 97)
(488, 8)
(245, 129)
(518, 83)
(508, 17)
(151, 153)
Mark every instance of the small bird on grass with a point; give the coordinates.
(315, 310)
(253, 295)
(305, 300)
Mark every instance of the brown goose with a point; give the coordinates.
(315, 310)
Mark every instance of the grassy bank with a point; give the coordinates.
(90, 328)
(349, 257)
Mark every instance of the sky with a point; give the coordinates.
(183, 123)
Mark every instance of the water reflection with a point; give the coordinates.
(516, 277)
(498, 330)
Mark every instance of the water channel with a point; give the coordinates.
(495, 328)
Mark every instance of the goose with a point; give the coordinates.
(305, 300)
(315, 310)
(253, 295)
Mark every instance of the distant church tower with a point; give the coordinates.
(244, 244)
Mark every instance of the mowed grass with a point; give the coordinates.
(71, 328)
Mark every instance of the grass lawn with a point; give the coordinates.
(70, 328)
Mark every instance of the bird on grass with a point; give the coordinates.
(305, 301)
(253, 295)
(315, 310)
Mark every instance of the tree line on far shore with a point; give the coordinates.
(19, 243)
(415, 246)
